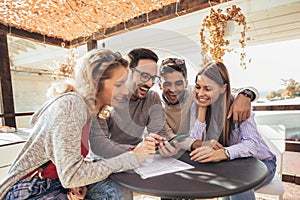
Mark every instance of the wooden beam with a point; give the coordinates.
(167, 12)
(33, 36)
(6, 86)
(92, 44)
(276, 107)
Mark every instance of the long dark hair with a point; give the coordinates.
(218, 126)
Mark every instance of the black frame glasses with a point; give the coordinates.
(145, 77)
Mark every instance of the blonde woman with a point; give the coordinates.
(52, 163)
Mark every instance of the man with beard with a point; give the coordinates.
(177, 98)
(141, 112)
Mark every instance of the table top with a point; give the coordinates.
(206, 180)
(7, 139)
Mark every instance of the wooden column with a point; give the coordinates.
(92, 44)
(6, 86)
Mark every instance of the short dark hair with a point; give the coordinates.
(170, 65)
(141, 53)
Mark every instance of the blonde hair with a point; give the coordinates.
(90, 71)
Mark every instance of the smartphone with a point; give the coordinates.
(178, 138)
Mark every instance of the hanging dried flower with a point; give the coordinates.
(217, 44)
(66, 69)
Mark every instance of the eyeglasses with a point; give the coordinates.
(145, 77)
(172, 61)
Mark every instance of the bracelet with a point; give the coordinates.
(227, 154)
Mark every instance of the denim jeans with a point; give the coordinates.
(36, 188)
(51, 189)
(103, 190)
(108, 190)
(250, 194)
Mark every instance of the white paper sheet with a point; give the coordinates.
(161, 165)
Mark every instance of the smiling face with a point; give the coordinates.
(114, 88)
(141, 88)
(173, 86)
(207, 91)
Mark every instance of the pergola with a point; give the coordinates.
(70, 23)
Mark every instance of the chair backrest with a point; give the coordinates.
(274, 136)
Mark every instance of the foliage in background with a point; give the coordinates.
(66, 69)
(292, 90)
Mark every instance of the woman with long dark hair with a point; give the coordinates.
(226, 139)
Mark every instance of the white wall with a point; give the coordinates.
(29, 93)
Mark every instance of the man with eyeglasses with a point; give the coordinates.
(140, 113)
(177, 98)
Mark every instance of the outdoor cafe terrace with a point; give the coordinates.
(34, 36)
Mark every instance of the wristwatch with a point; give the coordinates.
(248, 93)
(227, 154)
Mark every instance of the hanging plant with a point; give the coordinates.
(216, 24)
(66, 69)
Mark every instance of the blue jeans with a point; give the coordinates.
(108, 190)
(36, 188)
(103, 190)
(250, 194)
(47, 189)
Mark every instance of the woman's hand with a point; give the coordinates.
(145, 149)
(211, 143)
(208, 154)
(168, 149)
(77, 193)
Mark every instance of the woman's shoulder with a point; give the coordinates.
(67, 101)
(69, 97)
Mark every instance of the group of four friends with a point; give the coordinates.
(76, 122)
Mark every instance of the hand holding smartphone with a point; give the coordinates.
(178, 138)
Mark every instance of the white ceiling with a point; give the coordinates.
(269, 21)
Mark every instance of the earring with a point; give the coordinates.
(105, 112)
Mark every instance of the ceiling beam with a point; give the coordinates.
(167, 12)
(32, 36)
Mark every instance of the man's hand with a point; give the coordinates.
(240, 109)
(158, 139)
(77, 193)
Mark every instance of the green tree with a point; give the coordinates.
(292, 90)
